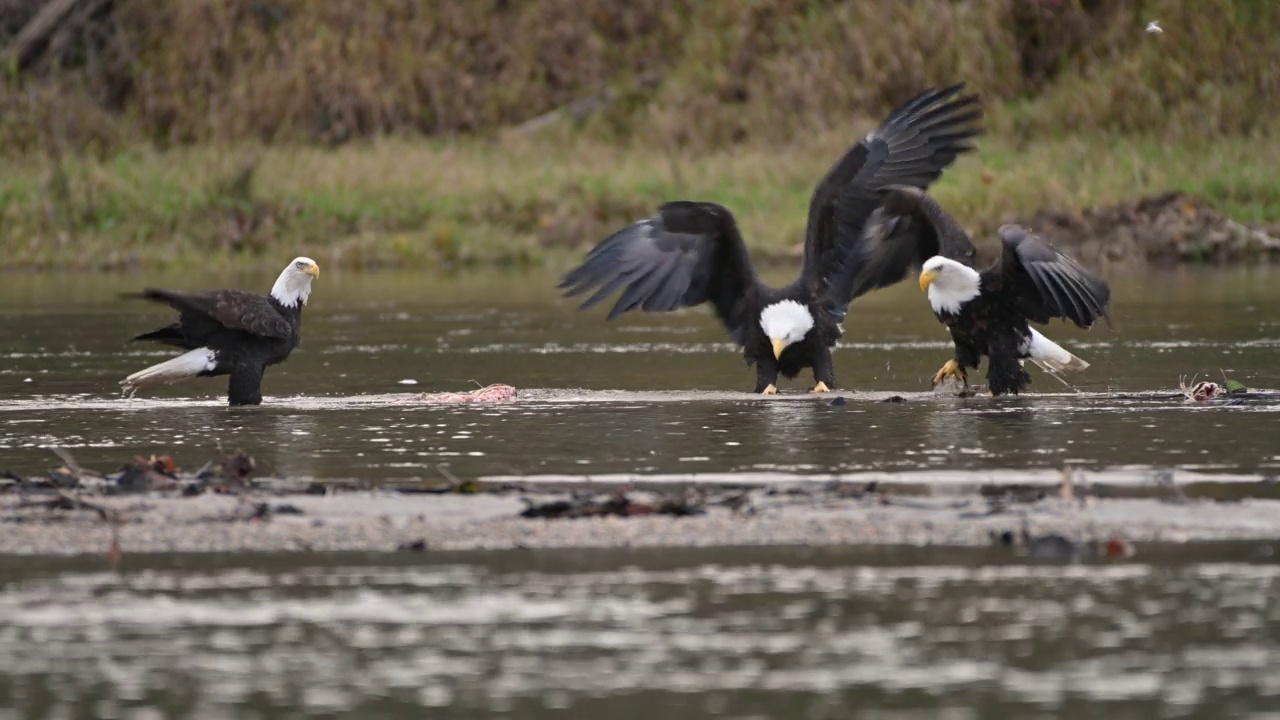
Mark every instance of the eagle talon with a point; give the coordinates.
(821, 387)
(951, 369)
(770, 389)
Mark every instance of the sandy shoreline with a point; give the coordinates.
(382, 521)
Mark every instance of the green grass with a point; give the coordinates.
(522, 202)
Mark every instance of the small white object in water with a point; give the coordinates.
(407, 381)
(27, 380)
(1154, 27)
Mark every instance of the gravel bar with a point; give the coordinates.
(388, 522)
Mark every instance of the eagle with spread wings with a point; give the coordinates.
(690, 253)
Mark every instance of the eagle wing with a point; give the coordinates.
(912, 147)
(907, 228)
(231, 309)
(1046, 284)
(686, 254)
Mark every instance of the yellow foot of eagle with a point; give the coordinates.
(951, 370)
(821, 387)
(769, 390)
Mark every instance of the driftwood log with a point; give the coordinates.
(33, 37)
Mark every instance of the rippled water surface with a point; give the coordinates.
(740, 633)
(646, 394)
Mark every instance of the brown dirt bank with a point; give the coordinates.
(1163, 229)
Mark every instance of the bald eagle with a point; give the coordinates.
(692, 252)
(229, 332)
(986, 311)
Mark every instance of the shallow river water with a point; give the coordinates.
(1174, 632)
(734, 633)
(645, 394)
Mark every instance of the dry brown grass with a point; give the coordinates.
(381, 131)
(681, 73)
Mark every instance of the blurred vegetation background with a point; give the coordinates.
(143, 132)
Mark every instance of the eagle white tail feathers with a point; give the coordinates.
(1050, 356)
(187, 365)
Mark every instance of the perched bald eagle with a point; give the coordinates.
(692, 252)
(229, 332)
(986, 311)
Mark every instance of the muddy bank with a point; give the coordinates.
(1168, 228)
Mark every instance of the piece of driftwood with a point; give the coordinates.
(578, 110)
(27, 43)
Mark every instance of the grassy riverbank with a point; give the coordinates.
(513, 201)
(149, 134)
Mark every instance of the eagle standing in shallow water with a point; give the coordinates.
(985, 311)
(692, 252)
(229, 332)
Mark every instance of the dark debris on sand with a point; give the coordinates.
(1054, 547)
(615, 505)
(155, 474)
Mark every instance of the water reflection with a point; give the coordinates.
(785, 632)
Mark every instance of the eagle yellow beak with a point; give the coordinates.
(313, 271)
(926, 279)
(778, 347)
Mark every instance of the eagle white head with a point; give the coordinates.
(950, 284)
(785, 322)
(294, 284)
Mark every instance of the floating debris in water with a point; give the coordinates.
(1208, 390)
(237, 467)
(148, 475)
(496, 393)
(1119, 546)
(455, 484)
(407, 381)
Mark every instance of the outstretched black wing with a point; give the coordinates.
(911, 147)
(908, 228)
(687, 254)
(1046, 284)
(203, 313)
